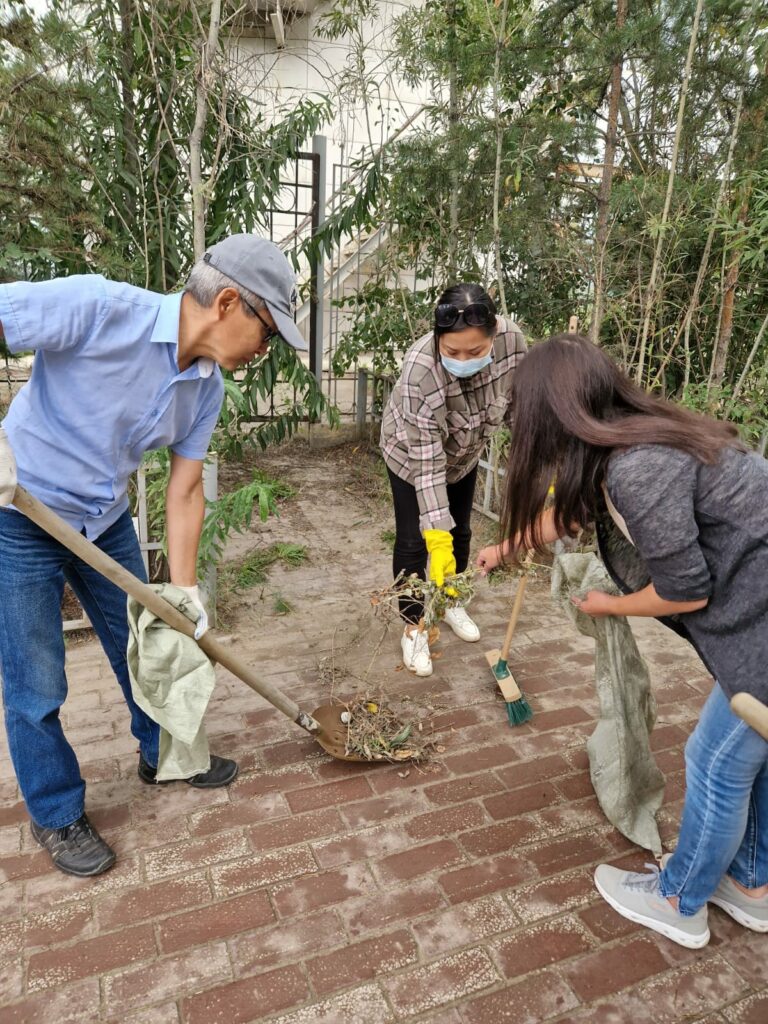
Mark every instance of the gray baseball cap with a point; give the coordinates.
(259, 266)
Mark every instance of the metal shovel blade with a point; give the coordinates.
(332, 736)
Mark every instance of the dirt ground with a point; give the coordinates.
(316, 891)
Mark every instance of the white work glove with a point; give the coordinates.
(193, 593)
(7, 470)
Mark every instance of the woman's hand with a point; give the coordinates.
(597, 604)
(644, 602)
(489, 558)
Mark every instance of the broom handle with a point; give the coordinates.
(518, 604)
(752, 711)
(131, 585)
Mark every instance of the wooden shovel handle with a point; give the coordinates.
(126, 581)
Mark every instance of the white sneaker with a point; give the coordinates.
(416, 656)
(461, 624)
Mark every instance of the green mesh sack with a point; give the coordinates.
(628, 784)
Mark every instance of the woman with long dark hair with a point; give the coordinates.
(451, 396)
(680, 510)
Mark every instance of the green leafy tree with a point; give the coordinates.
(530, 101)
(46, 212)
(96, 162)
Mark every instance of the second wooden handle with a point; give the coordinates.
(517, 605)
(144, 594)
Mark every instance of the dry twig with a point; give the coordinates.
(457, 590)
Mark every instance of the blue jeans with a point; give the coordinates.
(725, 816)
(33, 568)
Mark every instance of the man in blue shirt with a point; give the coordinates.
(118, 371)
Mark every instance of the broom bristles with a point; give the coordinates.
(519, 711)
(518, 708)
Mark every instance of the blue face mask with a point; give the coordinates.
(466, 367)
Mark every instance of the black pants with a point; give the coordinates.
(410, 554)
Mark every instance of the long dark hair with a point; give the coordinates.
(572, 407)
(461, 295)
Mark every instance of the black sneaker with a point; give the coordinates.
(221, 773)
(76, 849)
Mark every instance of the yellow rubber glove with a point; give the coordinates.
(441, 559)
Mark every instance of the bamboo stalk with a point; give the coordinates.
(651, 293)
(604, 196)
(750, 359)
(499, 141)
(704, 264)
(198, 129)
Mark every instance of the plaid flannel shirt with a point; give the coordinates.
(435, 425)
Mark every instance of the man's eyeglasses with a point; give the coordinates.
(271, 332)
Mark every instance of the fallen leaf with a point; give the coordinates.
(402, 736)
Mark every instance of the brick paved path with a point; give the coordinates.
(314, 892)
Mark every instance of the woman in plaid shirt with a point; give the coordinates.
(451, 396)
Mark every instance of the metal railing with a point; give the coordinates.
(493, 474)
(368, 403)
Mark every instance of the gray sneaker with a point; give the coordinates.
(637, 897)
(749, 912)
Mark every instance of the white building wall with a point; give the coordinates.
(370, 103)
(276, 79)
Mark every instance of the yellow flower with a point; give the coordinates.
(451, 592)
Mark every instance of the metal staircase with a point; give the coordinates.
(351, 261)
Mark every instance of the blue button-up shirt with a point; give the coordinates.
(105, 388)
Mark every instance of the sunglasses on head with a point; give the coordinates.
(476, 314)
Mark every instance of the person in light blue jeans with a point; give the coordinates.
(724, 829)
(679, 508)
